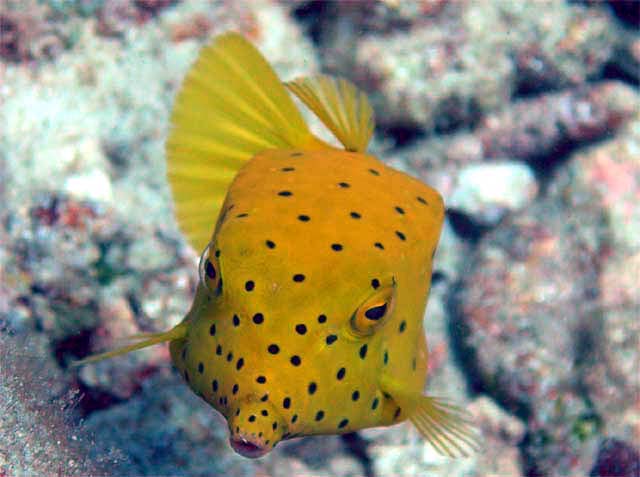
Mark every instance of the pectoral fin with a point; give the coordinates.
(448, 428)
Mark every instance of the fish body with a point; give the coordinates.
(304, 239)
(313, 282)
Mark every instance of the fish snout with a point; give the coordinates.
(256, 428)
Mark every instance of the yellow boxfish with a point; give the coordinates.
(307, 318)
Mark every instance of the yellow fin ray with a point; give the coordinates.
(448, 428)
(343, 108)
(148, 339)
(445, 427)
(230, 107)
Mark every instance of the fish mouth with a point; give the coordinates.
(249, 449)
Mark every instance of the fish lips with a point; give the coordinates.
(248, 448)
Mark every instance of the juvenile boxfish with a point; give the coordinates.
(307, 318)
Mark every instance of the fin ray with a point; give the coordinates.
(342, 108)
(445, 426)
(148, 339)
(230, 107)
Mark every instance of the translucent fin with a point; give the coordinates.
(230, 107)
(448, 428)
(342, 107)
(150, 339)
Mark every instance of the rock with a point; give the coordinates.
(616, 459)
(166, 430)
(487, 192)
(612, 381)
(38, 429)
(523, 318)
(442, 67)
(534, 129)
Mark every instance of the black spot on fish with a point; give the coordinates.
(235, 389)
(295, 360)
(331, 339)
(341, 373)
(285, 193)
(343, 423)
(355, 215)
(422, 200)
(212, 332)
(241, 216)
(319, 415)
(229, 357)
(217, 253)
(273, 349)
(402, 327)
(301, 329)
(374, 404)
(298, 277)
(274, 426)
(344, 185)
(363, 351)
(295, 154)
(288, 169)
(336, 247)
(252, 418)
(294, 418)
(270, 244)
(375, 283)
(239, 364)
(386, 357)
(400, 235)
(261, 379)
(264, 412)
(374, 172)
(200, 368)
(258, 318)
(214, 385)
(397, 413)
(312, 387)
(264, 398)
(249, 285)
(400, 210)
(236, 320)
(378, 245)
(355, 395)
(304, 218)
(286, 403)
(322, 319)
(219, 350)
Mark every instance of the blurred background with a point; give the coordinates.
(524, 115)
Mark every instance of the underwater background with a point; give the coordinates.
(524, 115)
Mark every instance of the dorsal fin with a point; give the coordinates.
(231, 106)
(342, 107)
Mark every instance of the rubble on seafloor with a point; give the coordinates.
(525, 116)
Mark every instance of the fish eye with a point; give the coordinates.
(209, 270)
(373, 312)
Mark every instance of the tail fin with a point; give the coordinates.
(231, 106)
(149, 339)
